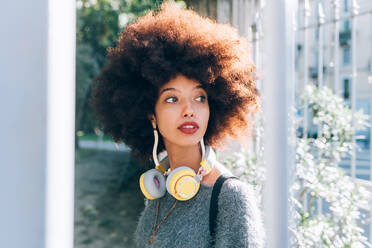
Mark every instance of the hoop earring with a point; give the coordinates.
(156, 141)
(202, 147)
(152, 182)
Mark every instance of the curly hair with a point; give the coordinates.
(154, 49)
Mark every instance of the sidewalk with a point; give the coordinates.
(103, 145)
(105, 214)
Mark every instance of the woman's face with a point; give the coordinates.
(182, 111)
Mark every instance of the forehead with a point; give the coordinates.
(180, 82)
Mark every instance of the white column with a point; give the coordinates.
(235, 13)
(37, 123)
(223, 11)
(370, 119)
(306, 16)
(336, 47)
(257, 37)
(354, 13)
(278, 94)
(60, 124)
(321, 20)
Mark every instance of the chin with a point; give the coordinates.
(190, 140)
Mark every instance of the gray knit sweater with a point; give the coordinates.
(239, 220)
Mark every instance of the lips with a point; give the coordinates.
(189, 127)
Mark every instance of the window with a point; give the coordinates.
(346, 55)
(346, 6)
(346, 87)
(346, 25)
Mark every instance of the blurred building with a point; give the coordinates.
(333, 22)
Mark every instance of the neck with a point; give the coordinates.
(189, 156)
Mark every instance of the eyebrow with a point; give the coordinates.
(169, 89)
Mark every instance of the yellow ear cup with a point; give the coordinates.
(152, 184)
(143, 189)
(182, 184)
(187, 187)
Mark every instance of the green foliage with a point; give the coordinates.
(97, 28)
(99, 23)
(86, 68)
(141, 7)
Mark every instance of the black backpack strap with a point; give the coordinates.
(213, 211)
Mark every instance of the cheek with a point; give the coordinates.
(207, 110)
(205, 116)
(165, 118)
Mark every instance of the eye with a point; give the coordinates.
(201, 98)
(171, 99)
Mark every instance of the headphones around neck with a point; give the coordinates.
(182, 183)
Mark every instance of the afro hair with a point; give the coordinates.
(154, 49)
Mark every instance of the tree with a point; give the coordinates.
(98, 26)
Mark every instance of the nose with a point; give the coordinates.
(188, 110)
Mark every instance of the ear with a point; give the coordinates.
(152, 119)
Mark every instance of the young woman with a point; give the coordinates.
(192, 80)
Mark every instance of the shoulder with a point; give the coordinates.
(240, 217)
(212, 177)
(237, 191)
(234, 190)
